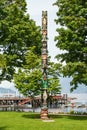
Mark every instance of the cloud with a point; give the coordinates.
(35, 7)
(6, 84)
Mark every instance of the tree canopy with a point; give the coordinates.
(17, 33)
(28, 76)
(72, 39)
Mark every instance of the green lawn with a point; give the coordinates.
(31, 121)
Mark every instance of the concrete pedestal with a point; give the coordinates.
(44, 113)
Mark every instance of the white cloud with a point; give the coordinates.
(6, 84)
(36, 6)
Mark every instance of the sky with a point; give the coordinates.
(35, 8)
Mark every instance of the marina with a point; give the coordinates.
(76, 103)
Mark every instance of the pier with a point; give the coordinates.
(15, 103)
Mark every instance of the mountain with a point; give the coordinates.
(65, 84)
(6, 90)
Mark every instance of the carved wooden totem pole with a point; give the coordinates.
(44, 109)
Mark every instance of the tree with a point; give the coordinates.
(53, 78)
(28, 79)
(2, 61)
(28, 76)
(72, 39)
(17, 33)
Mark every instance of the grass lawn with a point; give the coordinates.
(31, 121)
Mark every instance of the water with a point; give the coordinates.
(62, 109)
(75, 109)
(59, 110)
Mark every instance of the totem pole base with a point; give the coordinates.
(44, 113)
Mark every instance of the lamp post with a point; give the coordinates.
(44, 109)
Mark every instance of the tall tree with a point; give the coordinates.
(17, 33)
(28, 76)
(72, 39)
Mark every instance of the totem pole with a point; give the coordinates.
(44, 109)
